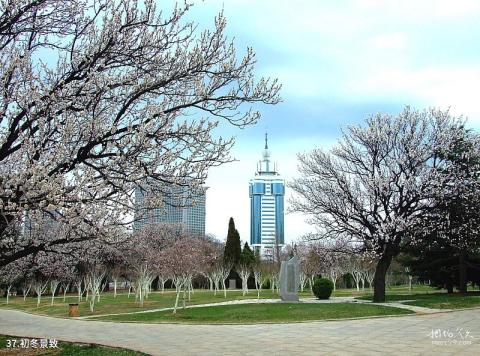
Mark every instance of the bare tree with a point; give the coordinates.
(39, 285)
(369, 273)
(93, 282)
(115, 273)
(26, 285)
(244, 271)
(355, 269)
(66, 280)
(409, 277)
(9, 277)
(129, 95)
(310, 263)
(224, 272)
(261, 270)
(214, 268)
(257, 275)
(376, 184)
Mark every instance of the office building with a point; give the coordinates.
(180, 205)
(267, 191)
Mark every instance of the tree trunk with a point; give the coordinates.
(65, 289)
(449, 287)
(53, 288)
(79, 290)
(8, 291)
(178, 290)
(183, 300)
(25, 293)
(380, 274)
(462, 271)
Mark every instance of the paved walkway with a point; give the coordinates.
(414, 308)
(406, 335)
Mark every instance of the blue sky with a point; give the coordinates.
(339, 61)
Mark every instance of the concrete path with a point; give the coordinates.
(399, 304)
(414, 308)
(454, 333)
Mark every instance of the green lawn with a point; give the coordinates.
(367, 292)
(257, 313)
(435, 300)
(123, 304)
(157, 300)
(448, 301)
(64, 348)
(393, 290)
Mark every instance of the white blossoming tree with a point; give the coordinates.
(145, 255)
(377, 182)
(185, 260)
(99, 97)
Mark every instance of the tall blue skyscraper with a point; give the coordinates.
(180, 206)
(267, 191)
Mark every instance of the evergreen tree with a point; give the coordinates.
(437, 263)
(446, 251)
(233, 248)
(247, 257)
(455, 217)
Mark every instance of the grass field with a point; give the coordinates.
(447, 301)
(435, 300)
(122, 304)
(64, 348)
(257, 313)
(157, 300)
(403, 289)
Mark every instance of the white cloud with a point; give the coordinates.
(443, 87)
(413, 9)
(365, 51)
(390, 41)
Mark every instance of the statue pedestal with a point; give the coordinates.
(289, 280)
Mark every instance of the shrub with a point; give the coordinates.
(322, 288)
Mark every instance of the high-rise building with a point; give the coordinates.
(180, 205)
(267, 191)
(40, 223)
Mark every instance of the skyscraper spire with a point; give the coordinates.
(266, 140)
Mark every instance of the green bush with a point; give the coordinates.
(322, 288)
